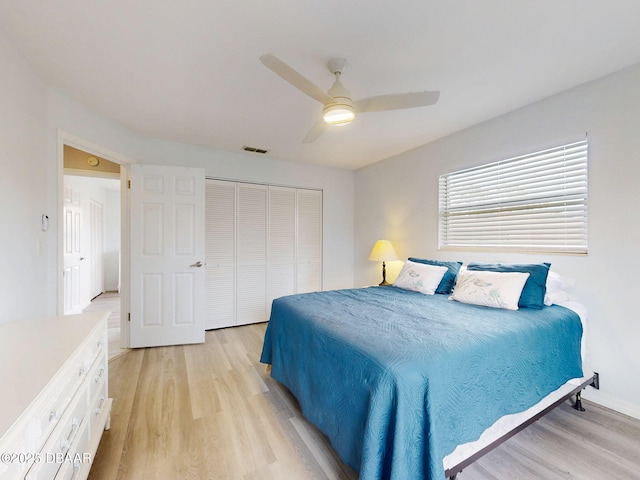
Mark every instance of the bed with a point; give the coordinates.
(407, 385)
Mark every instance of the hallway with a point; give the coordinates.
(110, 301)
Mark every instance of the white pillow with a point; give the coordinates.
(556, 296)
(420, 277)
(491, 289)
(556, 281)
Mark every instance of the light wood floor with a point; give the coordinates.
(211, 412)
(109, 301)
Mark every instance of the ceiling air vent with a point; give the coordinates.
(254, 150)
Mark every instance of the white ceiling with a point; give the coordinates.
(189, 71)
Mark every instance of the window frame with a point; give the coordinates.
(531, 203)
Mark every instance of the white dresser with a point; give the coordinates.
(54, 402)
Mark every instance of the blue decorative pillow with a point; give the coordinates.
(534, 290)
(449, 279)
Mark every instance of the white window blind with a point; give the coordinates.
(534, 202)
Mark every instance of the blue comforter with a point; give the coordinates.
(397, 379)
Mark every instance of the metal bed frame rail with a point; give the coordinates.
(593, 381)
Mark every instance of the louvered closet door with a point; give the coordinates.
(281, 271)
(309, 254)
(251, 259)
(220, 248)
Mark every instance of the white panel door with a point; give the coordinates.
(73, 258)
(309, 255)
(251, 259)
(167, 255)
(220, 245)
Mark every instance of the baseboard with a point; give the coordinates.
(601, 398)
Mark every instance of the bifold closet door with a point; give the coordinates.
(262, 242)
(220, 256)
(251, 258)
(281, 270)
(309, 241)
(236, 240)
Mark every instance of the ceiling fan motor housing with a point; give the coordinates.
(341, 111)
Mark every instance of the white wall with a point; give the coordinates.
(397, 199)
(71, 116)
(24, 185)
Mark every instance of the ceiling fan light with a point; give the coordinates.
(338, 115)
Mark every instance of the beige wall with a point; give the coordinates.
(79, 160)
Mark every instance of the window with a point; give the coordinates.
(531, 203)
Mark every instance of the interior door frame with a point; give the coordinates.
(66, 138)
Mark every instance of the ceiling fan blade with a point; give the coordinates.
(396, 101)
(277, 66)
(317, 130)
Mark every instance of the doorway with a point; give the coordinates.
(110, 301)
(91, 194)
(91, 238)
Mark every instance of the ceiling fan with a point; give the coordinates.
(338, 107)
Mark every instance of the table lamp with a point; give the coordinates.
(383, 251)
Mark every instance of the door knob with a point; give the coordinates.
(197, 264)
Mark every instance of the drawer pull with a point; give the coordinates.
(98, 378)
(54, 416)
(76, 469)
(66, 443)
(99, 409)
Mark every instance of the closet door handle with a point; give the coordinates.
(197, 264)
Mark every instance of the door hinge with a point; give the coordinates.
(129, 184)
(129, 316)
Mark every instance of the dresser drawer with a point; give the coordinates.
(97, 377)
(60, 442)
(76, 459)
(19, 461)
(96, 410)
(46, 417)
(94, 350)
(68, 471)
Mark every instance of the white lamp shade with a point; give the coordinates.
(341, 111)
(338, 115)
(383, 251)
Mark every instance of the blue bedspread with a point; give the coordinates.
(397, 379)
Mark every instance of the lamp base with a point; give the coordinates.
(384, 276)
